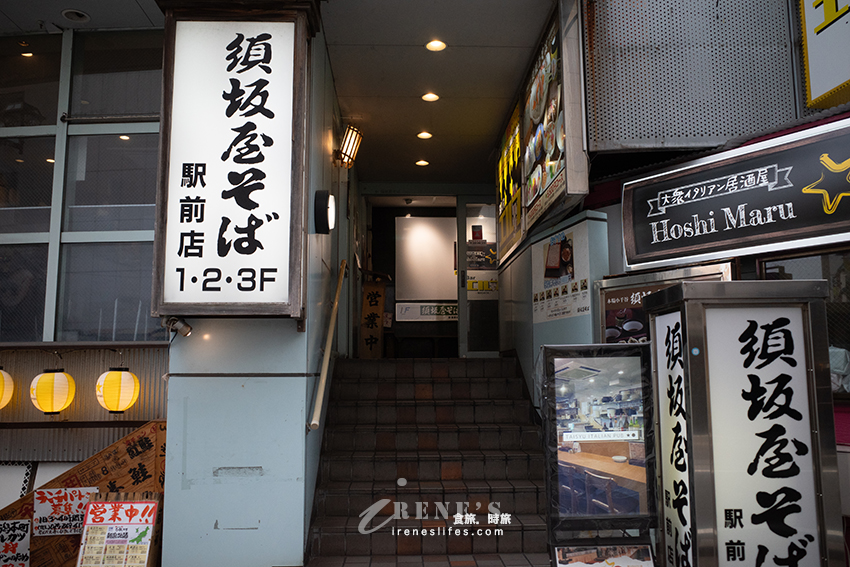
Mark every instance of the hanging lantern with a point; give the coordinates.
(117, 390)
(7, 388)
(52, 391)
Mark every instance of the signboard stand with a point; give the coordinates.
(746, 442)
(122, 528)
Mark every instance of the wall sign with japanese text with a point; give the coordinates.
(230, 182)
(59, 511)
(781, 194)
(15, 543)
(763, 456)
(673, 453)
(117, 533)
(826, 31)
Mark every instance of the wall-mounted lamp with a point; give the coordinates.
(7, 388)
(52, 391)
(117, 390)
(324, 209)
(350, 144)
(178, 325)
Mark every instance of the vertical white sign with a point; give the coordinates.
(15, 543)
(230, 159)
(761, 437)
(674, 447)
(560, 275)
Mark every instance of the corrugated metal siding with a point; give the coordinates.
(57, 443)
(686, 73)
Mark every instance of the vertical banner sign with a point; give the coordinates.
(761, 437)
(15, 543)
(372, 320)
(230, 164)
(117, 533)
(674, 453)
(59, 511)
(560, 275)
(510, 187)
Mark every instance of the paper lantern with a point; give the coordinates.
(117, 390)
(52, 391)
(7, 388)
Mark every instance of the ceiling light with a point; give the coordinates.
(51, 160)
(435, 45)
(430, 97)
(124, 137)
(422, 163)
(76, 16)
(19, 160)
(27, 54)
(424, 135)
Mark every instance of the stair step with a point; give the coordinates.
(339, 535)
(442, 436)
(425, 367)
(464, 388)
(432, 465)
(429, 411)
(344, 498)
(459, 560)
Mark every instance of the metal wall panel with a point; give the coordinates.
(86, 365)
(57, 444)
(686, 73)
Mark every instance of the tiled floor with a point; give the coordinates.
(482, 560)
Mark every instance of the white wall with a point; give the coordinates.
(11, 481)
(424, 256)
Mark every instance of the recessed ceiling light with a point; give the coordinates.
(84, 102)
(19, 160)
(424, 135)
(422, 163)
(27, 54)
(435, 45)
(76, 16)
(51, 160)
(430, 97)
(124, 137)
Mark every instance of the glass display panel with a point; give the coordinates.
(29, 90)
(26, 184)
(117, 73)
(105, 293)
(22, 283)
(598, 421)
(111, 182)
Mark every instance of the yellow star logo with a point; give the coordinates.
(830, 205)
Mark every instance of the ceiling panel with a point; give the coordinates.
(46, 15)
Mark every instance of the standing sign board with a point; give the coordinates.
(747, 443)
(781, 194)
(231, 187)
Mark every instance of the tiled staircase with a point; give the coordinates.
(456, 430)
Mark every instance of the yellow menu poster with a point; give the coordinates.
(117, 533)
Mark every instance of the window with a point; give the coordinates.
(111, 182)
(834, 267)
(76, 250)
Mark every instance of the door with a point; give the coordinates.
(478, 278)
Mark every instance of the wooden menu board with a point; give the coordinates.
(135, 462)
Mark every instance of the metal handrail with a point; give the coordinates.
(323, 376)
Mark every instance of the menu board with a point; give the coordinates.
(561, 275)
(117, 533)
(59, 511)
(15, 543)
(544, 178)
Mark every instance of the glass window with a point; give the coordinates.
(29, 91)
(835, 269)
(117, 73)
(22, 283)
(26, 184)
(105, 293)
(111, 182)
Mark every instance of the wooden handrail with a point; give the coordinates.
(323, 376)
